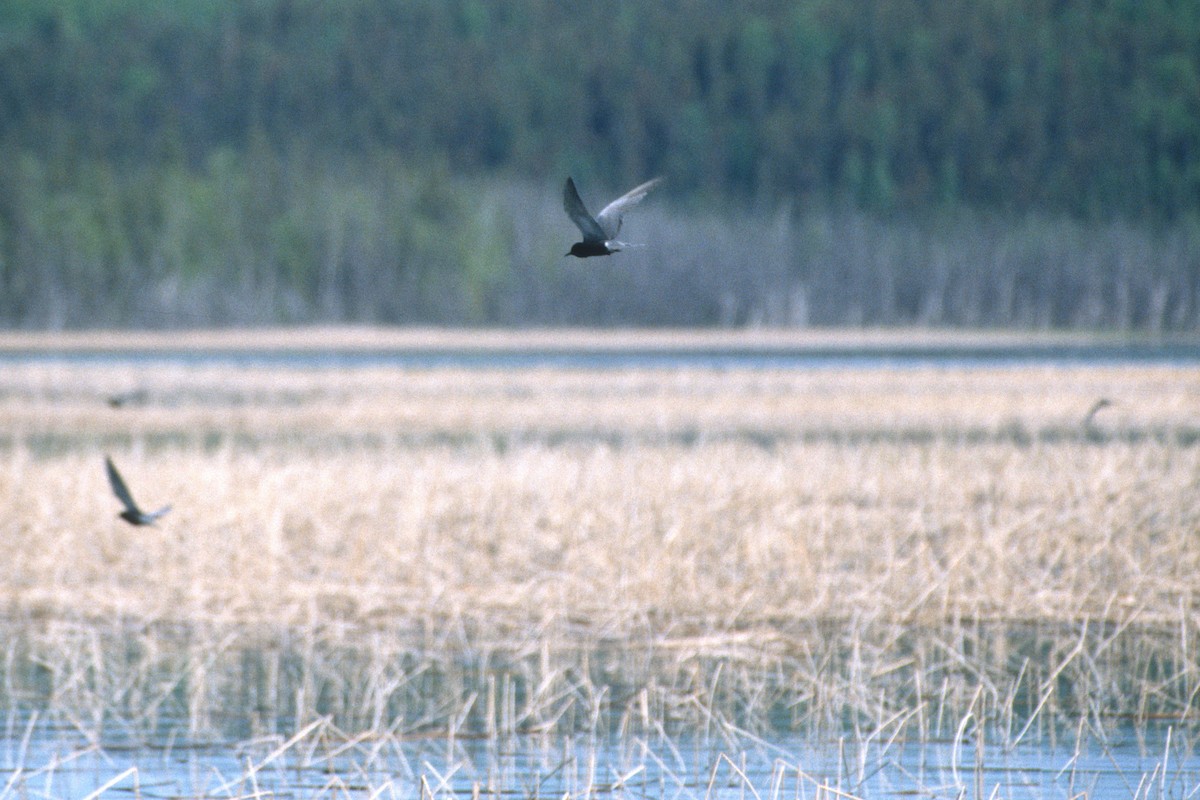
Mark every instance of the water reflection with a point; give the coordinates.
(647, 354)
(54, 759)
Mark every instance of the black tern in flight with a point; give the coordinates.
(132, 514)
(600, 232)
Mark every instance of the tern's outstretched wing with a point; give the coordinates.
(610, 217)
(153, 515)
(592, 232)
(119, 488)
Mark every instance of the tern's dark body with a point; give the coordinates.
(600, 232)
(589, 249)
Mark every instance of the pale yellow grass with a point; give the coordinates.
(68, 401)
(906, 545)
(376, 338)
(603, 504)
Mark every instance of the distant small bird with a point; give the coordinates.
(132, 514)
(122, 399)
(1098, 406)
(600, 232)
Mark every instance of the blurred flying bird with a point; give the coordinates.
(132, 514)
(600, 232)
(1100, 404)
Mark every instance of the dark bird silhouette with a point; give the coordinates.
(1090, 418)
(600, 232)
(132, 514)
(122, 399)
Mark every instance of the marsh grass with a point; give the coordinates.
(901, 554)
(941, 713)
(300, 531)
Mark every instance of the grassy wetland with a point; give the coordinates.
(871, 557)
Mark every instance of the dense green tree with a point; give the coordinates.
(199, 144)
(1091, 108)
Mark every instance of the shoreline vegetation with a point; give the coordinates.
(763, 547)
(364, 243)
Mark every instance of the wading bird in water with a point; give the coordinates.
(600, 232)
(132, 514)
(1090, 419)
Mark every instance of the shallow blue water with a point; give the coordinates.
(57, 761)
(1170, 353)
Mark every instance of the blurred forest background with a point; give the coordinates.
(1024, 163)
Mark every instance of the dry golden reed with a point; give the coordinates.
(903, 545)
(704, 499)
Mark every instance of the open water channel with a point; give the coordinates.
(53, 758)
(1174, 351)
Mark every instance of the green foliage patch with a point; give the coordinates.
(201, 162)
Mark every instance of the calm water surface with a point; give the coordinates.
(56, 760)
(1181, 353)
